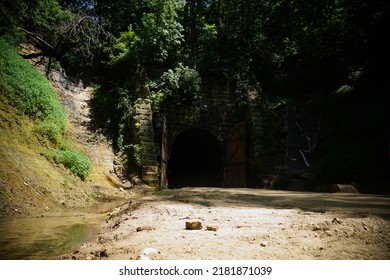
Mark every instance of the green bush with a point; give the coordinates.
(180, 86)
(79, 164)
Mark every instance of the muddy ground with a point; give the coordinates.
(244, 224)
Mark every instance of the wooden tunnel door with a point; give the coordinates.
(235, 174)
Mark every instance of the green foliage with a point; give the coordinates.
(123, 106)
(178, 86)
(76, 162)
(69, 32)
(125, 46)
(51, 130)
(151, 39)
(70, 157)
(344, 89)
(154, 39)
(137, 154)
(31, 93)
(102, 102)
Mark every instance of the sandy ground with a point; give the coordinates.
(245, 224)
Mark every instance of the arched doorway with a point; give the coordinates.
(195, 160)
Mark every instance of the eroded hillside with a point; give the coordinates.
(30, 182)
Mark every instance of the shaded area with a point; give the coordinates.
(345, 204)
(195, 160)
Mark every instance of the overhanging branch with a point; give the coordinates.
(45, 47)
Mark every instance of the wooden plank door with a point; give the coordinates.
(236, 157)
(164, 157)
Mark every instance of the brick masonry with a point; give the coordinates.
(221, 113)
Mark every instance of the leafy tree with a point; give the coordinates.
(178, 87)
(143, 50)
(153, 40)
(65, 30)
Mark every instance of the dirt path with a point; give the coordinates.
(245, 224)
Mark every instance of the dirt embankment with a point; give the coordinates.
(245, 224)
(30, 184)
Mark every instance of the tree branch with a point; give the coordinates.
(43, 45)
(33, 55)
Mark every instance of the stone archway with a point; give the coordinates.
(196, 159)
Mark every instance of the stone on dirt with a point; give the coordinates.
(194, 225)
(145, 228)
(211, 228)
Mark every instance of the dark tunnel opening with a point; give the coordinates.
(195, 160)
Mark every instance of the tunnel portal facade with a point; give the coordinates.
(207, 147)
(216, 145)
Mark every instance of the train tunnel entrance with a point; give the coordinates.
(196, 159)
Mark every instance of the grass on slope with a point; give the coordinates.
(31, 93)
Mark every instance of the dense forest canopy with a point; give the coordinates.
(327, 57)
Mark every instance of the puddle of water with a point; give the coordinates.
(45, 238)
